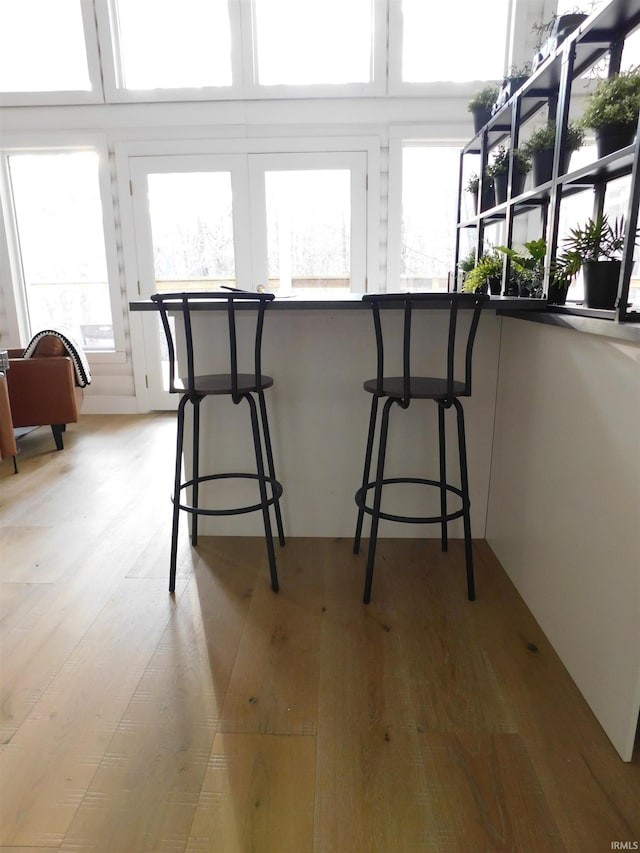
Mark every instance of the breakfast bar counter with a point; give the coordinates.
(319, 352)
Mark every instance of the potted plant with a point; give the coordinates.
(499, 171)
(540, 148)
(612, 111)
(485, 275)
(513, 80)
(465, 265)
(473, 187)
(596, 249)
(527, 267)
(480, 106)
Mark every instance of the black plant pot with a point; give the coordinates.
(557, 294)
(542, 165)
(613, 138)
(488, 196)
(601, 283)
(500, 184)
(481, 116)
(495, 285)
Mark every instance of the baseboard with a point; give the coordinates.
(100, 404)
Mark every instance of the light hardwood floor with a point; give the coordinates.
(232, 719)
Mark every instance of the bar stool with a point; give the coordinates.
(194, 387)
(401, 390)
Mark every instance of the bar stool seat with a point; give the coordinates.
(223, 384)
(240, 386)
(400, 391)
(420, 387)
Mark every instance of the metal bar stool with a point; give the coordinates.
(401, 390)
(239, 386)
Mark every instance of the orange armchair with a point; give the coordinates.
(43, 392)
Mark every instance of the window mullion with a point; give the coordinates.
(89, 10)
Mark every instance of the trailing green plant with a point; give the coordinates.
(487, 268)
(615, 100)
(527, 267)
(500, 163)
(484, 99)
(544, 138)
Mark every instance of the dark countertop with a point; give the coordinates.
(532, 310)
(352, 301)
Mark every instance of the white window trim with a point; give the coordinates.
(94, 96)
(15, 294)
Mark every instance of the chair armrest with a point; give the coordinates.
(42, 391)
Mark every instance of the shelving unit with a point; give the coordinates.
(551, 88)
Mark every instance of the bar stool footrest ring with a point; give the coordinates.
(435, 519)
(275, 485)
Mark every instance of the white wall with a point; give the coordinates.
(564, 505)
(320, 415)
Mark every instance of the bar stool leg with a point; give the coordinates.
(464, 486)
(365, 475)
(196, 471)
(377, 499)
(270, 465)
(263, 492)
(443, 476)
(176, 495)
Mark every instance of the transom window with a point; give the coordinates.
(174, 45)
(457, 41)
(42, 46)
(137, 50)
(305, 43)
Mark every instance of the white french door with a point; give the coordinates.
(295, 223)
(190, 235)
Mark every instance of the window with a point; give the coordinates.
(309, 245)
(427, 240)
(464, 40)
(174, 45)
(192, 226)
(304, 43)
(309, 220)
(62, 246)
(42, 46)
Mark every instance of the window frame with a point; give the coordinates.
(17, 144)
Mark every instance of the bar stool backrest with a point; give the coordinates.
(441, 301)
(181, 305)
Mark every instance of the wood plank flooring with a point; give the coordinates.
(231, 719)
